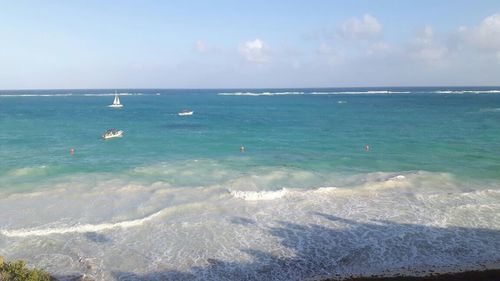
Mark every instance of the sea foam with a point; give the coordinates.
(259, 195)
(255, 94)
(85, 228)
(468, 92)
(261, 94)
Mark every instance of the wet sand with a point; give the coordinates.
(484, 275)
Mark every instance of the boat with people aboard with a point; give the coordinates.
(112, 133)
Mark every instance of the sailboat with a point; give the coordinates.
(116, 102)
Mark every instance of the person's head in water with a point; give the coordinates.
(242, 148)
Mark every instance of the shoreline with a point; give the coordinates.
(486, 272)
(476, 275)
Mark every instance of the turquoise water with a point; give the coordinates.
(433, 160)
(421, 130)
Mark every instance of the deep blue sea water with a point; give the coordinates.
(433, 164)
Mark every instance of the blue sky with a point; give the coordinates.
(231, 44)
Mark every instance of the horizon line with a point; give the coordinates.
(248, 88)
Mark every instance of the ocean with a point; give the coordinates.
(331, 183)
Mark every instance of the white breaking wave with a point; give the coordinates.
(259, 195)
(276, 194)
(391, 182)
(112, 94)
(469, 92)
(261, 94)
(37, 95)
(84, 228)
(69, 94)
(398, 177)
(360, 92)
(312, 93)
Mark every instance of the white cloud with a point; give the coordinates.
(367, 27)
(255, 51)
(328, 54)
(426, 47)
(380, 49)
(485, 36)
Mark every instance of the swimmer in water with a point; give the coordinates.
(72, 151)
(242, 148)
(367, 148)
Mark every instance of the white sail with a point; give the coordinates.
(116, 102)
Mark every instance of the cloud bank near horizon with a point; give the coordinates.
(428, 57)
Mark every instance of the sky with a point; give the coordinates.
(248, 44)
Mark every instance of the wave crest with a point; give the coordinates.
(84, 228)
(259, 195)
(260, 94)
(468, 92)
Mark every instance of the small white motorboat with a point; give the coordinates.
(116, 102)
(185, 113)
(112, 133)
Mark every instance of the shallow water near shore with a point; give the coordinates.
(175, 199)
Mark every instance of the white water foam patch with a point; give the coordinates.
(478, 208)
(468, 92)
(78, 228)
(326, 232)
(92, 200)
(28, 171)
(258, 195)
(392, 182)
(361, 232)
(34, 95)
(489, 110)
(70, 94)
(277, 194)
(251, 94)
(418, 181)
(113, 94)
(360, 93)
(85, 228)
(254, 94)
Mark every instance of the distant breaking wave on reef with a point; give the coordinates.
(261, 94)
(119, 94)
(36, 95)
(374, 92)
(360, 93)
(267, 93)
(469, 92)
(311, 93)
(70, 94)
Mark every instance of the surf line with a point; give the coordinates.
(83, 228)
